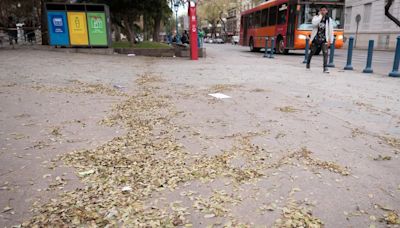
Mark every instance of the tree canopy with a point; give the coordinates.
(126, 13)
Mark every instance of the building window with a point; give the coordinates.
(348, 15)
(367, 13)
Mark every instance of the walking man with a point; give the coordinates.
(321, 36)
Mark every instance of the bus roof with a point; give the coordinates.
(278, 2)
(264, 5)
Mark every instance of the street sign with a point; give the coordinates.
(194, 52)
(58, 28)
(97, 28)
(78, 32)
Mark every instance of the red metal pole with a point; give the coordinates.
(194, 52)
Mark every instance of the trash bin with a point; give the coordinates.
(79, 25)
(97, 25)
(57, 26)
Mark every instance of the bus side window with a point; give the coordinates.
(257, 19)
(264, 18)
(272, 16)
(250, 21)
(282, 12)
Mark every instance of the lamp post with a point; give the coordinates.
(176, 7)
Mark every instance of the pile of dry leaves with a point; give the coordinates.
(124, 173)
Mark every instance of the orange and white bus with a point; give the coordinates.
(289, 22)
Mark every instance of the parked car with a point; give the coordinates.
(208, 40)
(218, 41)
(235, 40)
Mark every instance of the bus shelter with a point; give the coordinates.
(78, 25)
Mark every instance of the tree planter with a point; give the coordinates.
(154, 52)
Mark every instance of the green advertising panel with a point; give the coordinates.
(97, 29)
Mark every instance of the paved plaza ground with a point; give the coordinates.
(111, 140)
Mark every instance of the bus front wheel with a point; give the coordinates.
(280, 49)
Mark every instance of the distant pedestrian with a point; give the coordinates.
(12, 31)
(200, 37)
(321, 36)
(185, 38)
(169, 38)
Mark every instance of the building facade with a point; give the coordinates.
(233, 15)
(373, 24)
(233, 22)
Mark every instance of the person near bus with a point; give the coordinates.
(321, 36)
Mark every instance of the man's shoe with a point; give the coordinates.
(308, 66)
(326, 70)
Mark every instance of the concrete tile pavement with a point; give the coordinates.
(343, 117)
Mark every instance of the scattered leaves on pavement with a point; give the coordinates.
(382, 158)
(391, 141)
(223, 87)
(56, 131)
(391, 218)
(295, 215)
(79, 87)
(288, 109)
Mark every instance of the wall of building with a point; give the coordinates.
(373, 25)
(233, 19)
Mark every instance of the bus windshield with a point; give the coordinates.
(336, 12)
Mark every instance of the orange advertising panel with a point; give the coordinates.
(77, 25)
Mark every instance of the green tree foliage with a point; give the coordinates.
(126, 13)
(212, 11)
(19, 11)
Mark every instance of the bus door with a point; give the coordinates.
(291, 25)
(281, 27)
(245, 27)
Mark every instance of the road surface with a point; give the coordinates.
(382, 60)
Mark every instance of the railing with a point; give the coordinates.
(12, 37)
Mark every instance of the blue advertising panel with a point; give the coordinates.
(58, 28)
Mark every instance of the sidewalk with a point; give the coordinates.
(290, 146)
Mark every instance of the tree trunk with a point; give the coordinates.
(157, 27)
(213, 30)
(117, 32)
(145, 25)
(43, 23)
(390, 16)
(130, 34)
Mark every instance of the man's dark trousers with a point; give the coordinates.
(314, 47)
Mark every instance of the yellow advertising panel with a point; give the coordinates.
(77, 25)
